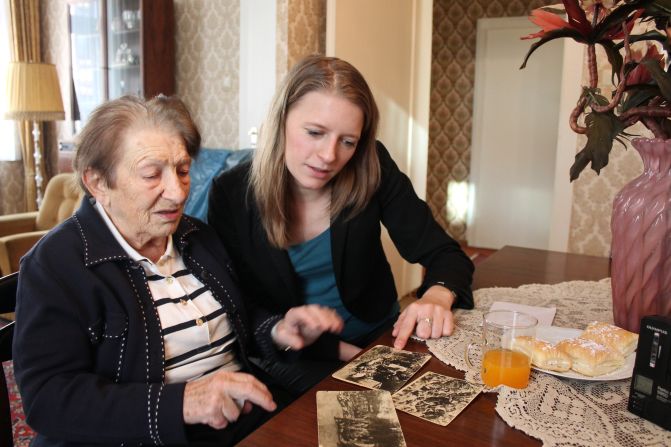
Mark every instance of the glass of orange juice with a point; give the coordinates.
(500, 364)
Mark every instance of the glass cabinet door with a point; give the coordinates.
(110, 58)
(88, 73)
(124, 48)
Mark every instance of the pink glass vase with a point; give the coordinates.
(641, 244)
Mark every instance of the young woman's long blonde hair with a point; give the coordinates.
(353, 187)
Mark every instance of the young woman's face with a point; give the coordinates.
(322, 132)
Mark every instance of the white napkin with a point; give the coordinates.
(545, 315)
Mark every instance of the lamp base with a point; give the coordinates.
(37, 157)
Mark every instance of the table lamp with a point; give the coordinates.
(33, 94)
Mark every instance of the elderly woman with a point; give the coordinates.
(130, 327)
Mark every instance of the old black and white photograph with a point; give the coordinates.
(383, 368)
(436, 398)
(358, 419)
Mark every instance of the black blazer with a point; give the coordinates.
(363, 275)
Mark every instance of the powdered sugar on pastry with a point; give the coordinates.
(543, 354)
(591, 358)
(612, 336)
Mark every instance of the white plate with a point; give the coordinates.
(555, 334)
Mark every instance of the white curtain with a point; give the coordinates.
(10, 149)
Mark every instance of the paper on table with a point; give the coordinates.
(545, 315)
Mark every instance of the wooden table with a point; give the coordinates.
(478, 424)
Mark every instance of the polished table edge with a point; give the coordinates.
(515, 266)
(478, 423)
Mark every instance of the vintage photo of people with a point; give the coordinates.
(436, 398)
(382, 367)
(358, 419)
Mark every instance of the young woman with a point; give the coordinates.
(302, 220)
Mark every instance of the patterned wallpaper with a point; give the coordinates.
(282, 40)
(306, 30)
(452, 79)
(11, 193)
(593, 198)
(208, 44)
(452, 83)
(207, 77)
(207, 59)
(593, 194)
(207, 72)
(56, 50)
(301, 31)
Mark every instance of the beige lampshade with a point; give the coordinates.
(33, 92)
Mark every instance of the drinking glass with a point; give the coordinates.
(500, 364)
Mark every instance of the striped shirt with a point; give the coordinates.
(197, 334)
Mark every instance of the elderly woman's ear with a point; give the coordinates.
(96, 185)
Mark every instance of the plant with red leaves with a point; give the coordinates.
(642, 80)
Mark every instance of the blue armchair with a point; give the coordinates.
(204, 168)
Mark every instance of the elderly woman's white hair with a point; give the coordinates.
(98, 144)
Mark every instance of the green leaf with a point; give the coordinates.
(602, 130)
(614, 57)
(581, 161)
(594, 97)
(659, 7)
(638, 95)
(662, 78)
(552, 35)
(659, 11)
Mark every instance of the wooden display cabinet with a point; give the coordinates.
(119, 47)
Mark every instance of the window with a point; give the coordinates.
(9, 141)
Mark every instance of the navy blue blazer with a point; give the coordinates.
(88, 348)
(363, 275)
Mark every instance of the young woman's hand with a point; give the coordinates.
(429, 317)
(301, 326)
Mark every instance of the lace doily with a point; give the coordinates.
(558, 411)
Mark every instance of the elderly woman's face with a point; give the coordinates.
(152, 184)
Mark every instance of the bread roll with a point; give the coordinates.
(614, 337)
(542, 354)
(591, 358)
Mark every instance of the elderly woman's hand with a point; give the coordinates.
(347, 351)
(430, 317)
(301, 326)
(219, 398)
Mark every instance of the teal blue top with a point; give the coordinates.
(313, 264)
